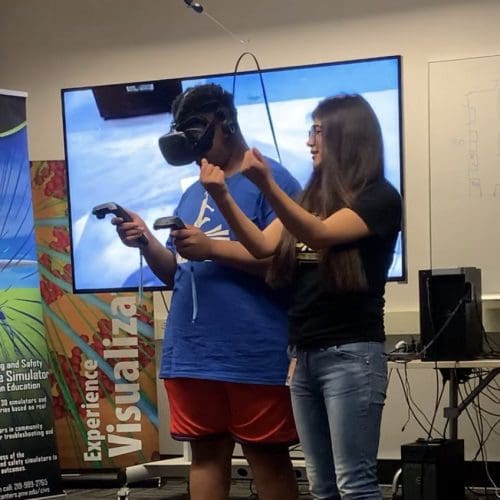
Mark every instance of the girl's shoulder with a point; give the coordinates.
(381, 189)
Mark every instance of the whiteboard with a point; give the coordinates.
(464, 171)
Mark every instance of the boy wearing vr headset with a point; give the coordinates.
(224, 356)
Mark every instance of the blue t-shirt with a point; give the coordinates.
(225, 324)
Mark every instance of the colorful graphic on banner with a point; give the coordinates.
(28, 453)
(101, 349)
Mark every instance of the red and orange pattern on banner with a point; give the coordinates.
(101, 348)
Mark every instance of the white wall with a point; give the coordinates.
(52, 44)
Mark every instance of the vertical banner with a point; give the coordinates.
(101, 349)
(28, 455)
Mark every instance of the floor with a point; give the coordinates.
(176, 489)
(172, 490)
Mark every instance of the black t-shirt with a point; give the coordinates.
(321, 318)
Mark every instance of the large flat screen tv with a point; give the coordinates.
(111, 143)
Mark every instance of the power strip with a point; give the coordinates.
(241, 470)
(403, 356)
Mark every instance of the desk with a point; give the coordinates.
(454, 409)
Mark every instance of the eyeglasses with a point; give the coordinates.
(314, 131)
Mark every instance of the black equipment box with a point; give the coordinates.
(450, 314)
(433, 470)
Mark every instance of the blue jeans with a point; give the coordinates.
(338, 394)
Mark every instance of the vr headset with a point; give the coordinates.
(188, 140)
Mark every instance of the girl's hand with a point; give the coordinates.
(255, 167)
(213, 179)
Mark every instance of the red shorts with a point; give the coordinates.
(250, 413)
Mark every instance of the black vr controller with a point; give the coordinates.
(100, 211)
(169, 222)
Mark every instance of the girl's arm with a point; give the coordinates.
(343, 226)
(193, 244)
(259, 243)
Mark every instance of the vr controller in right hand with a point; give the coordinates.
(100, 211)
(169, 222)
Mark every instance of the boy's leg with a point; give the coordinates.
(262, 421)
(210, 471)
(272, 471)
(199, 413)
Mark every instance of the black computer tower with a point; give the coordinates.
(450, 314)
(433, 470)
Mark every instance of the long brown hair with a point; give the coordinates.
(351, 158)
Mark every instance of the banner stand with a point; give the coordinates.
(29, 462)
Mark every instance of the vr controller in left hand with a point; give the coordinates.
(100, 211)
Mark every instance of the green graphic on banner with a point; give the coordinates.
(28, 453)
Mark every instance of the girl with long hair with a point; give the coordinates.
(333, 247)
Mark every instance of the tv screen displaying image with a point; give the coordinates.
(111, 142)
